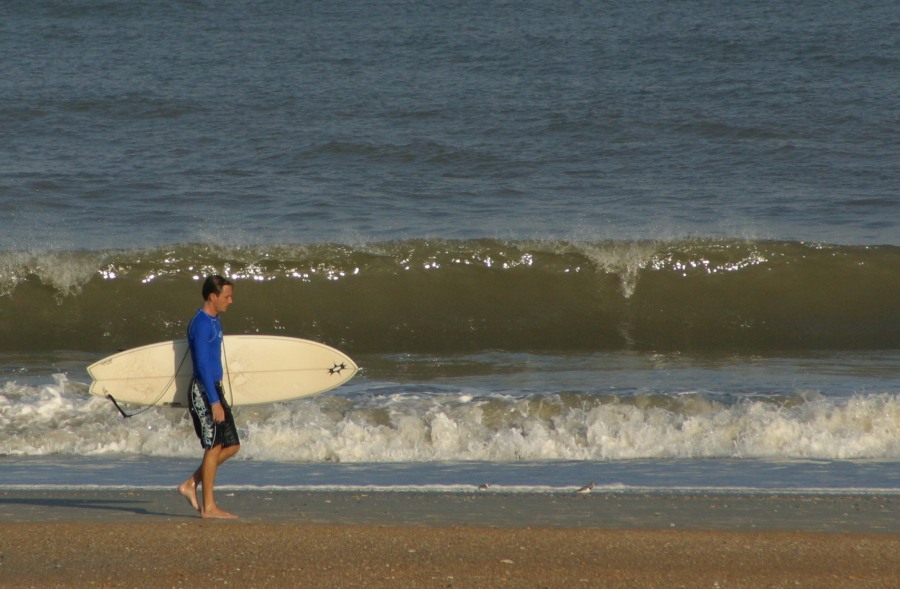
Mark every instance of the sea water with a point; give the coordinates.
(650, 246)
(517, 428)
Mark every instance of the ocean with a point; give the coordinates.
(654, 246)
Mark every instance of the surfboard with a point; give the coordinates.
(258, 369)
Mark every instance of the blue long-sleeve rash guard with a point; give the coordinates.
(205, 340)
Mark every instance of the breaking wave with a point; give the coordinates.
(425, 296)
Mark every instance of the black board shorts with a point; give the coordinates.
(211, 434)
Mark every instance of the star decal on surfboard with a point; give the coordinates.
(336, 369)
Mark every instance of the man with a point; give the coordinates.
(210, 412)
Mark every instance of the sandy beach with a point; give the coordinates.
(340, 539)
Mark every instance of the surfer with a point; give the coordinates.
(210, 412)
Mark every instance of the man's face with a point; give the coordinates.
(222, 301)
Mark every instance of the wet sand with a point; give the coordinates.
(325, 539)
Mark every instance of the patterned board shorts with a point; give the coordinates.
(211, 434)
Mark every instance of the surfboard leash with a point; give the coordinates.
(227, 372)
(122, 411)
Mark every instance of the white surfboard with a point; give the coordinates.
(258, 369)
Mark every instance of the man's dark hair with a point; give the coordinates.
(214, 285)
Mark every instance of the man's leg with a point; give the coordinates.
(189, 487)
(212, 458)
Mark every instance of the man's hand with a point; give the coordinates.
(218, 413)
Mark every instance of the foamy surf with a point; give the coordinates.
(383, 422)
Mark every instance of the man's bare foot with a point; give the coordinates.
(216, 513)
(189, 490)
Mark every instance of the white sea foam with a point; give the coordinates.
(66, 272)
(60, 418)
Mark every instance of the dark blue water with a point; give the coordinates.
(127, 124)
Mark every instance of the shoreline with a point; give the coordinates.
(152, 539)
(798, 512)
